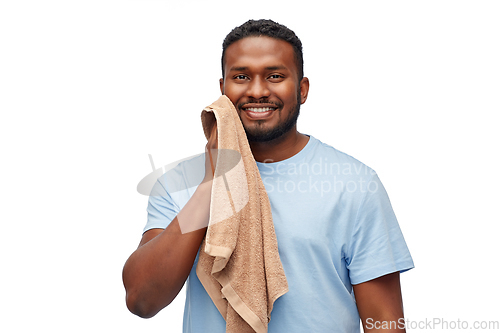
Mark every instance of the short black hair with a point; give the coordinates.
(267, 28)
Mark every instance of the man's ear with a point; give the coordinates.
(304, 89)
(221, 82)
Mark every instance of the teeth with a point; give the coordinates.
(259, 109)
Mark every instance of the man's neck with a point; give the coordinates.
(280, 149)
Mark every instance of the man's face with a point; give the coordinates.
(261, 79)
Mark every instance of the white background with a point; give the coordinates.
(89, 88)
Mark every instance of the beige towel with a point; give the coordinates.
(239, 264)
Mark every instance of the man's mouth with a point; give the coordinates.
(259, 112)
(260, 109)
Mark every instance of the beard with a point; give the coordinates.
(259, 133)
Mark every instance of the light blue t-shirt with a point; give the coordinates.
(335, 228)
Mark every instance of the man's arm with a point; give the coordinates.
(155, 273)
(380, 304)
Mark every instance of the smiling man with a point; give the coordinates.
(339, 241)
(264, 82)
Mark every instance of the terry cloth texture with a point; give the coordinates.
(239, 264)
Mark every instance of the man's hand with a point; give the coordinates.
(211, 154)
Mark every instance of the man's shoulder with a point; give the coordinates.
(335, 159)
(183, 174)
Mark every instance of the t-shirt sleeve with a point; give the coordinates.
(377, 245)
(161, 209)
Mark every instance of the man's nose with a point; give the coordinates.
(258, 88)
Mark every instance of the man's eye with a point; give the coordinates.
(240, 77)
(276, 76)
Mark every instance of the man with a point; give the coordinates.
(339, 241)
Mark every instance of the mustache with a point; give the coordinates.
(259, 101)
